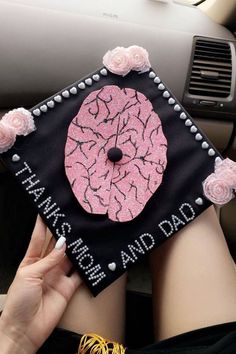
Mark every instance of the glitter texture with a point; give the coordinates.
(122, 118)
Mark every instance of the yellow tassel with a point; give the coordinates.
(94, 344)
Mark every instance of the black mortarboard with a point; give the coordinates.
(114, 164)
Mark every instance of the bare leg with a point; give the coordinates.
(194, 279)
(103, 315)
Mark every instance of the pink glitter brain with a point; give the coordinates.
(123, 119)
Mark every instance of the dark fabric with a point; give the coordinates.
(100, 241)
(61, 342)
(17, 218)
(214, 339)
(139, 330)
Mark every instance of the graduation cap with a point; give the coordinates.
(114, 164)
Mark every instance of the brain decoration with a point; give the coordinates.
(115, 153)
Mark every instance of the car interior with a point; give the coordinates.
(46, 45)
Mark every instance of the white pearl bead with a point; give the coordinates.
(193, 129)
(152, 75)
(211, 152)
(177, 108)
(218, 160)
(58, 98)
(157, 80)
(104, 72)
(96, 77)
(183, 115)
(112, 266)
(73, 90)
(44, 108)
(188, 123)
(81, 86)
(198, 137)
(166, 94)
(161, 87)
(88, 81)
(66, 94)
(36, 112)
(171, 101)
(205, 145)
(199, 201)
(50, 104)
(15, 158)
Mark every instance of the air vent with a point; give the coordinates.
(211, 69)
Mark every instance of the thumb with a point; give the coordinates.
(44, 265)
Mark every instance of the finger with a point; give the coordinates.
(75, 280)
(36, 243)
(72, 283)
(65, 265)
(64, 268)
(44, 265)
(50, 244)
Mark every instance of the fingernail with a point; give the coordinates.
(60, 242)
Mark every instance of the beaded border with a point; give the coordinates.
(67, 93)
(88, 82)
(187, 121)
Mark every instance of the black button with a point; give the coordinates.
(115, 154)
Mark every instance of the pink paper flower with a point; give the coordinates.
(227, 169)
(139, 58)
(217, 189)
(121, 60)
(7, 137)
(118, 61)
(20, 120)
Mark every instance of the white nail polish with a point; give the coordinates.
(60, 242)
